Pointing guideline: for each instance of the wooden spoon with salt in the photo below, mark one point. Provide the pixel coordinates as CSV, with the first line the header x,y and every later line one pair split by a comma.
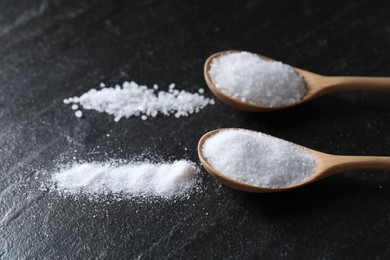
x,y
316,85
326,166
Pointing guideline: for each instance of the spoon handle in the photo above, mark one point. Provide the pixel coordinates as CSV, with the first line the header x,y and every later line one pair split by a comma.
x,y
336,84
340,163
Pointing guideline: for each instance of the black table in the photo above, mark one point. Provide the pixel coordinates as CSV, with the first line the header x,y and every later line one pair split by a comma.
x,y
54,49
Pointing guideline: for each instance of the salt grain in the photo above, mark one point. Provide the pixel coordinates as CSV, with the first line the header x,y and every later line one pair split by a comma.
x,y
135,179
258,159
248,78
78,114
75,107
132,99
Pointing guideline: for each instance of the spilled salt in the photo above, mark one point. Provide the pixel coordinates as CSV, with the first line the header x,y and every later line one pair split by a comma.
x,y
135,179
78,113
258,159
248,78
132,99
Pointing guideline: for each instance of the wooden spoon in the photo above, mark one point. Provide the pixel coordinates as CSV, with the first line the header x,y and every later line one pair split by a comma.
x,y
316,85
327,165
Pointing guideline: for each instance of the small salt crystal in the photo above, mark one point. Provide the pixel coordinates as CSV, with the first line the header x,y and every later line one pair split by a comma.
x,y
75,107
201,91
172,86
143,117
258,159
78,113
102,85
247,77
155,86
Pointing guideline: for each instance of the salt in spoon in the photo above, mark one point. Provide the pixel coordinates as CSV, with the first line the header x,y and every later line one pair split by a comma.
x,y
316,86
326,166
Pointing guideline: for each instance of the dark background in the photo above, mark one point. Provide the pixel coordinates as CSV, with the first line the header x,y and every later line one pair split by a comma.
x,y
54,49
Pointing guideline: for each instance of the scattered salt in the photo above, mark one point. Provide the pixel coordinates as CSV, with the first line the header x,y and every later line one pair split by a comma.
x,y
132,99
75,107
201,90
102,85
248,78
78,114
258,159
134,179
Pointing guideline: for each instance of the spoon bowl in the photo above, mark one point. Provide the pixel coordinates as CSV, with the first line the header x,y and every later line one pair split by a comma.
x,y
326,166
316,86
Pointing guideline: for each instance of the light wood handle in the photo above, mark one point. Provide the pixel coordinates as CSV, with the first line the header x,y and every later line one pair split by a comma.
x,y
337,84
338,163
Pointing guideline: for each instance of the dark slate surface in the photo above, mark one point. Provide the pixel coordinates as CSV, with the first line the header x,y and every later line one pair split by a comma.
x,y
54,49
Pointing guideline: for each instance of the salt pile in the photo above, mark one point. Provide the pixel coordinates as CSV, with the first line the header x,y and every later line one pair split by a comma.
x,y
135,179
132,99
258,159
248,78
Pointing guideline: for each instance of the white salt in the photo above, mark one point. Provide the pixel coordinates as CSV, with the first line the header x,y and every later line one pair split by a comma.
x,y
75,107
132,99
78,114
258,159
248,78
135,179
